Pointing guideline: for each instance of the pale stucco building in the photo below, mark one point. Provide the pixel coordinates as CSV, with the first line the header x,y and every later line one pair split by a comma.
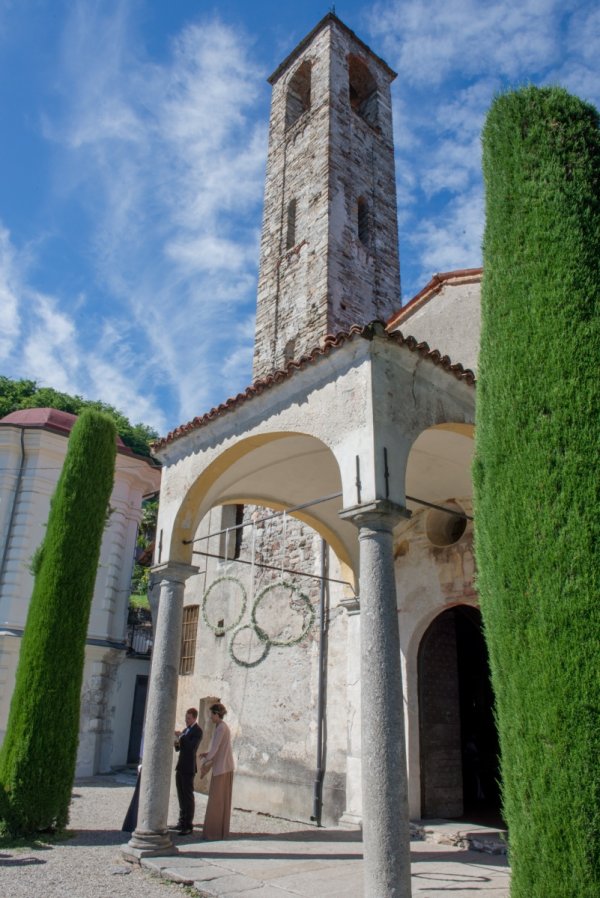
x,y
33,445
348,647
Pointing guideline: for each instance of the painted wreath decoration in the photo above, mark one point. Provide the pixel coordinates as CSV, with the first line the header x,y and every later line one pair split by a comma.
x,y
240,661
220,631
300,598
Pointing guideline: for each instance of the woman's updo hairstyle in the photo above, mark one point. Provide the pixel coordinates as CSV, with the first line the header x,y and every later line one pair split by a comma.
x,y
219,709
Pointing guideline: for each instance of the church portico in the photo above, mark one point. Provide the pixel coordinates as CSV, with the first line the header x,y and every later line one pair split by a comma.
x,y
351,459
364,400
324,513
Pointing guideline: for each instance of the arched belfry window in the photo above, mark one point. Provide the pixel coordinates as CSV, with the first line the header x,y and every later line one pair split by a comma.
x,y
298,94
363,90
290,236
363,221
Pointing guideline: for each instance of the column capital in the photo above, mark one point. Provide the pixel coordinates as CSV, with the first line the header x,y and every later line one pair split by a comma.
x,y
351,604
175,571
380,514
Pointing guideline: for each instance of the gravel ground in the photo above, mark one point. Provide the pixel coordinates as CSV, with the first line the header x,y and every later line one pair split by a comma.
x,y
90,865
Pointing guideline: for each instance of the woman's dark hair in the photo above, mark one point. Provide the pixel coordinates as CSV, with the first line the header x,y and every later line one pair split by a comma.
x,y
219,709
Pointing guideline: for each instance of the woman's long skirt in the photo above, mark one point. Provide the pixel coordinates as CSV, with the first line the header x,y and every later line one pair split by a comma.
x,y
218,809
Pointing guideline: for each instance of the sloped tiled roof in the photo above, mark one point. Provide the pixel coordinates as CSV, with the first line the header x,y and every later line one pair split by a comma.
x,y
330,343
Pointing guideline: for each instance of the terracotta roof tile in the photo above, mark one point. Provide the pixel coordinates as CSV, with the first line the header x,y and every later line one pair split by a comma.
x,y
330,343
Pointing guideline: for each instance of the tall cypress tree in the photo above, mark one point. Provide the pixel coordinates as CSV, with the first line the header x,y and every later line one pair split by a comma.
x,y
37,759
537,483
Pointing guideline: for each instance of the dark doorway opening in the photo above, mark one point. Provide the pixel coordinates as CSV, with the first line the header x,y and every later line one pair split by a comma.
x,y
458,736
137,719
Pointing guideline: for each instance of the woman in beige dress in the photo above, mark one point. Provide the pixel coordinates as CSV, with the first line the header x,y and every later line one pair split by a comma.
x,y
219,758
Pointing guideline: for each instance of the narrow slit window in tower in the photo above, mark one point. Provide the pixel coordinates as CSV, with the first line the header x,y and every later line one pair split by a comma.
x,y
290,237
363,90
364,231
298,95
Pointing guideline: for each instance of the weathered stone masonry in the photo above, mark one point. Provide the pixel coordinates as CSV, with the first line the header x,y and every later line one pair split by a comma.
x,y
329,248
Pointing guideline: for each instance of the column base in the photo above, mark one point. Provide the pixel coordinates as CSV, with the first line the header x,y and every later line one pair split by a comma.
x,y
148,844
350,821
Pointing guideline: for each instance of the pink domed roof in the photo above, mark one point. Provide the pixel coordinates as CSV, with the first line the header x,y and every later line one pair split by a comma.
x,y
50,419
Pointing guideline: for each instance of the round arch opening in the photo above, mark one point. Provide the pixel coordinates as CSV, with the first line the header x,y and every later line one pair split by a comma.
x,y
458,736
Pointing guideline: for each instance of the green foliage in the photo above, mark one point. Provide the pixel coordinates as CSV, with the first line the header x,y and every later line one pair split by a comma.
x,y
140,580
147,528
537,488
37,759
139,601
21,394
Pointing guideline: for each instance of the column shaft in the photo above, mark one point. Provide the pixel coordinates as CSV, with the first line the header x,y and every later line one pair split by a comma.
x,y
386,826
151,833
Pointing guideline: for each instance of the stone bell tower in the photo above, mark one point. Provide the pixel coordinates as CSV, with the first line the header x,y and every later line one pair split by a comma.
x,y
329,246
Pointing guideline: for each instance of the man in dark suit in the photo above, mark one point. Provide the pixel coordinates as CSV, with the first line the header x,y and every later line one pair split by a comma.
x,y
186,743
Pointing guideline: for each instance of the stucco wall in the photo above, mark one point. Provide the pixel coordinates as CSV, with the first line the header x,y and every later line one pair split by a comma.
x,y
450,321
273,706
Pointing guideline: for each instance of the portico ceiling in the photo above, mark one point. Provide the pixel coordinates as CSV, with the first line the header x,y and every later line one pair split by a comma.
x,y
295,469
439,465
291,470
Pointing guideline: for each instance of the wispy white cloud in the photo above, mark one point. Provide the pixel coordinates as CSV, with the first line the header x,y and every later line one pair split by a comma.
x,y
430,42
9,302
452,57
167,160
158,169
452,239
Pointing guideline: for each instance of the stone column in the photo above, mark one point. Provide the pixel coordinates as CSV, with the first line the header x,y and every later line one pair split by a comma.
x,y
151,835
386,825
352,816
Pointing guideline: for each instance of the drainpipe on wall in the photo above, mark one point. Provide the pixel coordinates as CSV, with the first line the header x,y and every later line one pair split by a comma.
x,y
13,509
322,695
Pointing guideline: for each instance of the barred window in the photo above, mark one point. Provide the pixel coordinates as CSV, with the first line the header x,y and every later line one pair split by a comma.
x,y
188,639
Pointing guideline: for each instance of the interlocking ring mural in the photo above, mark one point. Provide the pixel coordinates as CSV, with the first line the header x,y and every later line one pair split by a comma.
x,y
281,615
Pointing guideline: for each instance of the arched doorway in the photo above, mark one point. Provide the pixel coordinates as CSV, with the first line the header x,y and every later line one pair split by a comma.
x,y
458,737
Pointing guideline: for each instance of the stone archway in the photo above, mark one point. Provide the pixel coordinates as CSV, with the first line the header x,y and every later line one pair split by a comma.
x,y
458,738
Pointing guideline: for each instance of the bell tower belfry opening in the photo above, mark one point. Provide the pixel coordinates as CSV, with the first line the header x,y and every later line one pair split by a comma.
x,y
329,248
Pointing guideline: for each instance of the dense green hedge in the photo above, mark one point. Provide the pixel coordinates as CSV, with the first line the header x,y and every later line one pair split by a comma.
x,y
537,481
37,759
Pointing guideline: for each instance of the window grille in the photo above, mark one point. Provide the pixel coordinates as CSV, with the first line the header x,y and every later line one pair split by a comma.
x,y
188,639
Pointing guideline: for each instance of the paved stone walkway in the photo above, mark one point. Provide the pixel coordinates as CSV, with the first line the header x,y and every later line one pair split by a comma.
x,y
266,858
327,863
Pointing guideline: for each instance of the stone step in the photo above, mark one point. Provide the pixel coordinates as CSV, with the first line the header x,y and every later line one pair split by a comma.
x,y
462,835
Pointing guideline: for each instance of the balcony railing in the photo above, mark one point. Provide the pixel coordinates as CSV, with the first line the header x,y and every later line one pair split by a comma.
x,y
140,640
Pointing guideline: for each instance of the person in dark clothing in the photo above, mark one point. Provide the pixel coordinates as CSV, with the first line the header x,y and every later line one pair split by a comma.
x,y
130,821
186,743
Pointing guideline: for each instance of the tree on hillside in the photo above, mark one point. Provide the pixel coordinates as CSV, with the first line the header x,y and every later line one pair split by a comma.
x,y
537,486
21,394
37,758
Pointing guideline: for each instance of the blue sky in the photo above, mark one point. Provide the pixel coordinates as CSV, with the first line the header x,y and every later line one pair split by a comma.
x,y
133,150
